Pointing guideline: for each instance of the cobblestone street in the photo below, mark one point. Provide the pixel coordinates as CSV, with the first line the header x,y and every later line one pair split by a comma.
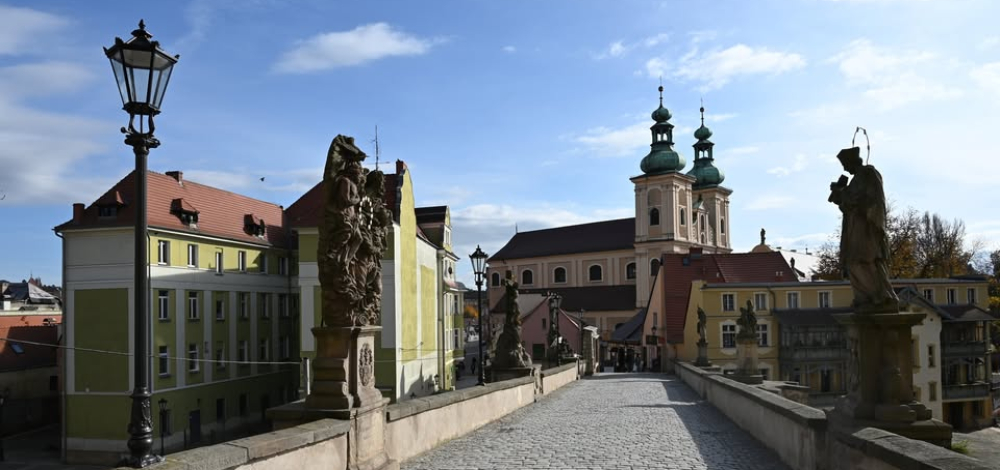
x,y
610,421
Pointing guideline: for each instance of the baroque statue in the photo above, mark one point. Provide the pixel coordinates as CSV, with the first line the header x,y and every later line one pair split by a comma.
x,y
747,321
702,324
864,244
352,237
510,352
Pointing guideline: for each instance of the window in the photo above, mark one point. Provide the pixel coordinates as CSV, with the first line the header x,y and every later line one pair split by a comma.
x,y
241,261
265,349
220,354
495,279
760,301
447,236
596,273
264,305
244,305
825,380
283,266
163,304
762,339
824,300
527,277
107,211
263,263
722,225
192,306
729,335
559,275
244,351
654,217
683,217
193,358
929,295
765,372
728,302
220,310
543,324
163,252
218,262
930,355
163,357
951,296
630,271
283,306
192,255
793,300
971,295
932,391
285,343
654,265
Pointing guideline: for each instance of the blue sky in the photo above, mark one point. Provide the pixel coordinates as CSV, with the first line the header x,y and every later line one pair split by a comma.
x,y
526,113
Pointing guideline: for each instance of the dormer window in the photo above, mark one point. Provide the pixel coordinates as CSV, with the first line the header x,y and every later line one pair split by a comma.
x,y
107,211
184,211
107,205
254,225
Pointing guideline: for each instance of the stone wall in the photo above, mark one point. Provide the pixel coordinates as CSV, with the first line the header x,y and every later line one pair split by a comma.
x,y
800,436
556,377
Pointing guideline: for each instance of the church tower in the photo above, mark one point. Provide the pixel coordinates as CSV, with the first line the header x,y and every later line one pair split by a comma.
x,y
710,212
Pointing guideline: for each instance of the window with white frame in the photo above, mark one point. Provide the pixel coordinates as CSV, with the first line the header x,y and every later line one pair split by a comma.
x,y
264,305
192,255
218,263
793,300
263,263
728,335
241,261
265,350
220,354
163,357
760,301
630,271
929,295
244,305
595,273
220,309
283,266
163,252
824,299
762,336
728,302
447,236
193,305
193,362
283,306
951,297
971,295
243,351
163,304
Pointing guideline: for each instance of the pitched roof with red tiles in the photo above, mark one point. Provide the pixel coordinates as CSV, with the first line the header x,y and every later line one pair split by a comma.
x,y
220,213
305,212
680,270
16,355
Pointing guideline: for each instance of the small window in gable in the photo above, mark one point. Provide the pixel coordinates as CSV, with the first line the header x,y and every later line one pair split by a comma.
x,y
184,211
108,205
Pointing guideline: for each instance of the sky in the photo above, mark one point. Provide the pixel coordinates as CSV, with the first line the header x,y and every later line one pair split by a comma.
x,y
518,115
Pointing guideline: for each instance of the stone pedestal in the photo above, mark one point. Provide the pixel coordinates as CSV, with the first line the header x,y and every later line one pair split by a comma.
x,y
880,378
702,360
746,360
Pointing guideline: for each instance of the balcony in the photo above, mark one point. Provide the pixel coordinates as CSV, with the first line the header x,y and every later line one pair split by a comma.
x,y
964,349
813,353
966,391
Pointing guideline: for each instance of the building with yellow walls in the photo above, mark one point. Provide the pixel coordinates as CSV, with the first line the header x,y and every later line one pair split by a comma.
x,y
221,307
419,292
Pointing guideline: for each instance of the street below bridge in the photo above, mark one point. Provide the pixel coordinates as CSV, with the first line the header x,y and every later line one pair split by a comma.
x,y
608,421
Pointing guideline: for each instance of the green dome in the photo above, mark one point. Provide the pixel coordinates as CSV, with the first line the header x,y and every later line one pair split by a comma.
x,y
706,173
662,159
703,133
661,114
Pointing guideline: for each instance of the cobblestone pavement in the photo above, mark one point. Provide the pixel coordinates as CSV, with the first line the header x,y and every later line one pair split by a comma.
x,y
610,421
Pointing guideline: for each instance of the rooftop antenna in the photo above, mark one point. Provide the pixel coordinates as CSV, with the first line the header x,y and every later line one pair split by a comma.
x,y
868,143
376,147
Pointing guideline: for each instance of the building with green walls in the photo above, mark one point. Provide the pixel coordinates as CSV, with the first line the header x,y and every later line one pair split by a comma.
x,y
416,354
223,308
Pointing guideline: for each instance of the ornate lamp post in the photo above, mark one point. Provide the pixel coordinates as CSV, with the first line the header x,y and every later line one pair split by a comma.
x,y
164,411
555,300
142,71
479,268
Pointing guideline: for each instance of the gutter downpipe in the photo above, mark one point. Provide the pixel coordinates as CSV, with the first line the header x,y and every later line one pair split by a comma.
x,y
62,354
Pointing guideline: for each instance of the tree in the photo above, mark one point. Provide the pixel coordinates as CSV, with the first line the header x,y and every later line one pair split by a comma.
x,y
470,312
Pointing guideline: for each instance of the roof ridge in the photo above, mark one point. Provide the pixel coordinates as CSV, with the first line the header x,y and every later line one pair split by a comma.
x,y
187,181
576,225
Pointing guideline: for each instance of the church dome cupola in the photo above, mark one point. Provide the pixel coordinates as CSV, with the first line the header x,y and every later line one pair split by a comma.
x,y
704,170
662,157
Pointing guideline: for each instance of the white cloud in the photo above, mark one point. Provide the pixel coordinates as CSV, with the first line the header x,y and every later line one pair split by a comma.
x,y
620,47
656,67
22,28
348,48
717,67
619,142
799,163
720,117
987,76
42,78
989,43
509,49
766,202
744,150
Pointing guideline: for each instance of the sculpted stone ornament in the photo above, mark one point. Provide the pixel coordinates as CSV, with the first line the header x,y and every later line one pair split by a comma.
x,y
747,322
747,370
366,365
864,244
702,323
702,359
510,352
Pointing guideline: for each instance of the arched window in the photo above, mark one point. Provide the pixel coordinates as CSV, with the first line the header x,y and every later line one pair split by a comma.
x,y
654,265
495,279
722,225
596,273
683,217
527,277
654,216
630,271
559,275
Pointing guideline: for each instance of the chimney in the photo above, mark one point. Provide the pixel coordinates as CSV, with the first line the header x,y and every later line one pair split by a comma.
x,y
177,175
77,212
793,263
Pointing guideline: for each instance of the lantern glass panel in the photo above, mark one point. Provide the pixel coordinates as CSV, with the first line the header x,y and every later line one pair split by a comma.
x,y
160,85
116,67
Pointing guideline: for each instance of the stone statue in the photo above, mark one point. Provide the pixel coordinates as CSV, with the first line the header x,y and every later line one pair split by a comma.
x,y
747,321
352,237
702,324
510,352
762,233
864,244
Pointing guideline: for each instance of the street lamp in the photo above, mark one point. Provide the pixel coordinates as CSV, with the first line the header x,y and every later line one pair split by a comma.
x,y
3,399
142,71
164,412
555,300
479,268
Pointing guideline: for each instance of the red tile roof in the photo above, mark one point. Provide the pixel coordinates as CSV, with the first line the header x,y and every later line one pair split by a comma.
x,y
220,213
27,328
680,270
305,212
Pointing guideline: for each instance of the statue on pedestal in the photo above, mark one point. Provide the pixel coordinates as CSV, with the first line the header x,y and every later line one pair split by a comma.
x,y
510,352
747,322
702,360
746,347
